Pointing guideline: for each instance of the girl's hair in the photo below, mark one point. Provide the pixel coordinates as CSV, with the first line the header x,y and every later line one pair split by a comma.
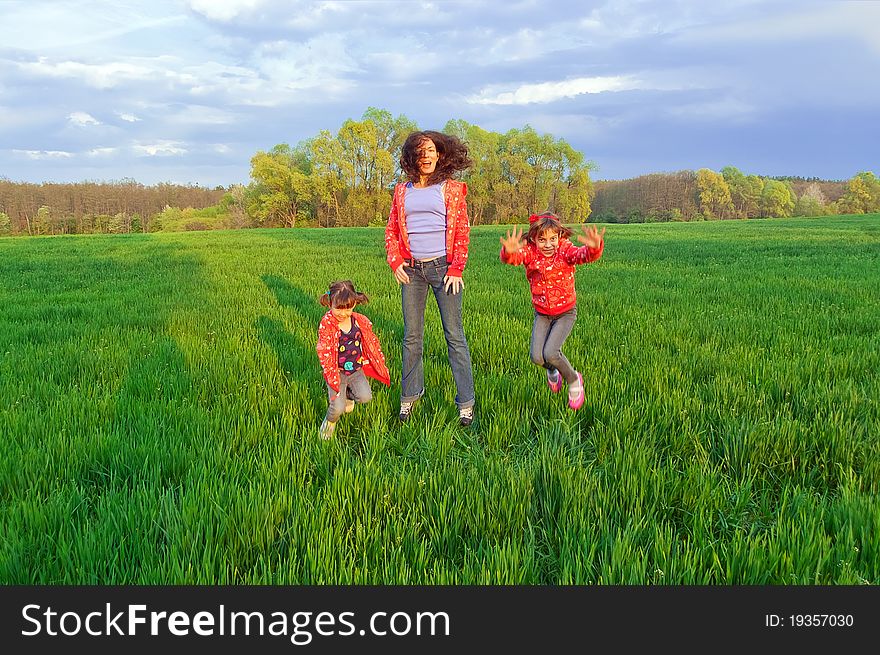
x,y
343,295
453,156
545,222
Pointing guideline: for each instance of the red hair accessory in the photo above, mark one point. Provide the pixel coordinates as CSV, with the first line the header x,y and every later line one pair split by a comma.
x,y
534,218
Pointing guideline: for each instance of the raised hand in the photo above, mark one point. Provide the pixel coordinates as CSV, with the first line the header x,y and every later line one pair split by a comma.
x,y
591,237
513,242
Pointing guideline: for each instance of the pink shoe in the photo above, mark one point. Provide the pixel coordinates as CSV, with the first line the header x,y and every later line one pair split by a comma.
x,y
555,386
576,402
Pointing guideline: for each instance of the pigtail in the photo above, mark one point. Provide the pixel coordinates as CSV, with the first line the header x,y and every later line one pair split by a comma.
x,y
343,295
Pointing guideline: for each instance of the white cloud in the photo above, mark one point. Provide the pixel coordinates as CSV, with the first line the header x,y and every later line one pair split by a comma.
x,y
100,76
162,148
82,119
222,148
44,154
551,91
128,118
101,152
222,10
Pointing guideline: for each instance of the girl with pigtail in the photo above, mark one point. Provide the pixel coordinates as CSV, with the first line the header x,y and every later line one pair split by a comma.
x,y
348,351
549,258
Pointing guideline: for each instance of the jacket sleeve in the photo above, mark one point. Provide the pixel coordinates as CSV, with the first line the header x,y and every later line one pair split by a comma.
x,y
392,236
517,258
326,349
583,255
462,236
374,346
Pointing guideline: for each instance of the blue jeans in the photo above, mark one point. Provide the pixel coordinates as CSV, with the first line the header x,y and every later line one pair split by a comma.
x,y
424,276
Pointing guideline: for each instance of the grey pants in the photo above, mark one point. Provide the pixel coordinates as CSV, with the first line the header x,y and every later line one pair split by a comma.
x,y
548,335
354,387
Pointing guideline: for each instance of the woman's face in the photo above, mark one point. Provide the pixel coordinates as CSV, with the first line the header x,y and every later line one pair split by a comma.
x,y
427,157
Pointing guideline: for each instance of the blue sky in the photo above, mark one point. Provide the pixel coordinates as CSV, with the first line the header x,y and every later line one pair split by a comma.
x,y
187,91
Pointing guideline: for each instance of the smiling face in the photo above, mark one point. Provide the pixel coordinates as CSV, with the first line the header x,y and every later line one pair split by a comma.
x,y
427,157
547,242
341,314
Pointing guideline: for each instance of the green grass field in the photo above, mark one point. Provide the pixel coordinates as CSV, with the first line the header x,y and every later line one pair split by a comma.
x,y
160,398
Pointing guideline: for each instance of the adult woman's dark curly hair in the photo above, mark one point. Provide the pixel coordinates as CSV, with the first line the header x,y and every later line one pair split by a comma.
x,y
453,156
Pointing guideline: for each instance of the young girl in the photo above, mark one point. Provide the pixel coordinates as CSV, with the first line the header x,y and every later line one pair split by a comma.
x,y
549,259
348,351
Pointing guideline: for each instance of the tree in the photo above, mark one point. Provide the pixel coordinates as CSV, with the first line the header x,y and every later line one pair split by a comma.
x,y
281,185
745,192
862,194
777,199
5,224
811,203
714,194
42,223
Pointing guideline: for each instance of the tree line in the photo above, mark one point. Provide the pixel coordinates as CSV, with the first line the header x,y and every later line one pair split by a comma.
x,y
345,179
93,207
730,193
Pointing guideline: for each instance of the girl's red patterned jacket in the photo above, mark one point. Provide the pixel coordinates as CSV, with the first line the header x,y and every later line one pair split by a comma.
x,y
457,228
328,343
552,278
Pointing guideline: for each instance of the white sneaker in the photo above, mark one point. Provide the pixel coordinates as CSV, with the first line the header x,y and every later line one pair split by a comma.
x,y
406,408
326,430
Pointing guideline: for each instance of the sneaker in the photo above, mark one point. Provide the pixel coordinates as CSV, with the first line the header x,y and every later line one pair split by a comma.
x,y
576,399
554,384
466,415
406,409
326,430
349,405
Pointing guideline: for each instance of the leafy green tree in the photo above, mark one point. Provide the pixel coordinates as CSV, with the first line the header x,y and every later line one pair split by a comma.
x,y
281,184
811,203
862,194
714,194
745,191
5,224
42,223
777,199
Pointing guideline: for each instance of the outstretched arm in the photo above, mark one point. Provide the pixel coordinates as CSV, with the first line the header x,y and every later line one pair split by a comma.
x,y
512,247
594,244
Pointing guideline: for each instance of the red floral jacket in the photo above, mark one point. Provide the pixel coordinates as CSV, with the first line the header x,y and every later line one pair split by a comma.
x,y
457,228
552,278
328,344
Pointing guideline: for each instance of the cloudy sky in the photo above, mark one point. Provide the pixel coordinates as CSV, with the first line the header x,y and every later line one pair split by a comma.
x,y
187,91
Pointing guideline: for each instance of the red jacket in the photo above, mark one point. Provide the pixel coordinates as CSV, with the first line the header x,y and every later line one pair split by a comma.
x,y
457,228
552,278
328,343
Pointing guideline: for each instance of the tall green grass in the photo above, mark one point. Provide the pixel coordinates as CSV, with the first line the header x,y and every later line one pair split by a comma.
x,y
160,398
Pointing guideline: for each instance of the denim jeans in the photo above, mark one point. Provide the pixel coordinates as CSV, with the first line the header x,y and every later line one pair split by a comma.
x,y
548,335
422,277
354,387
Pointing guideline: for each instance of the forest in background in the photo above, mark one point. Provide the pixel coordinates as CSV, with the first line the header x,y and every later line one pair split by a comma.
x,y
346,178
